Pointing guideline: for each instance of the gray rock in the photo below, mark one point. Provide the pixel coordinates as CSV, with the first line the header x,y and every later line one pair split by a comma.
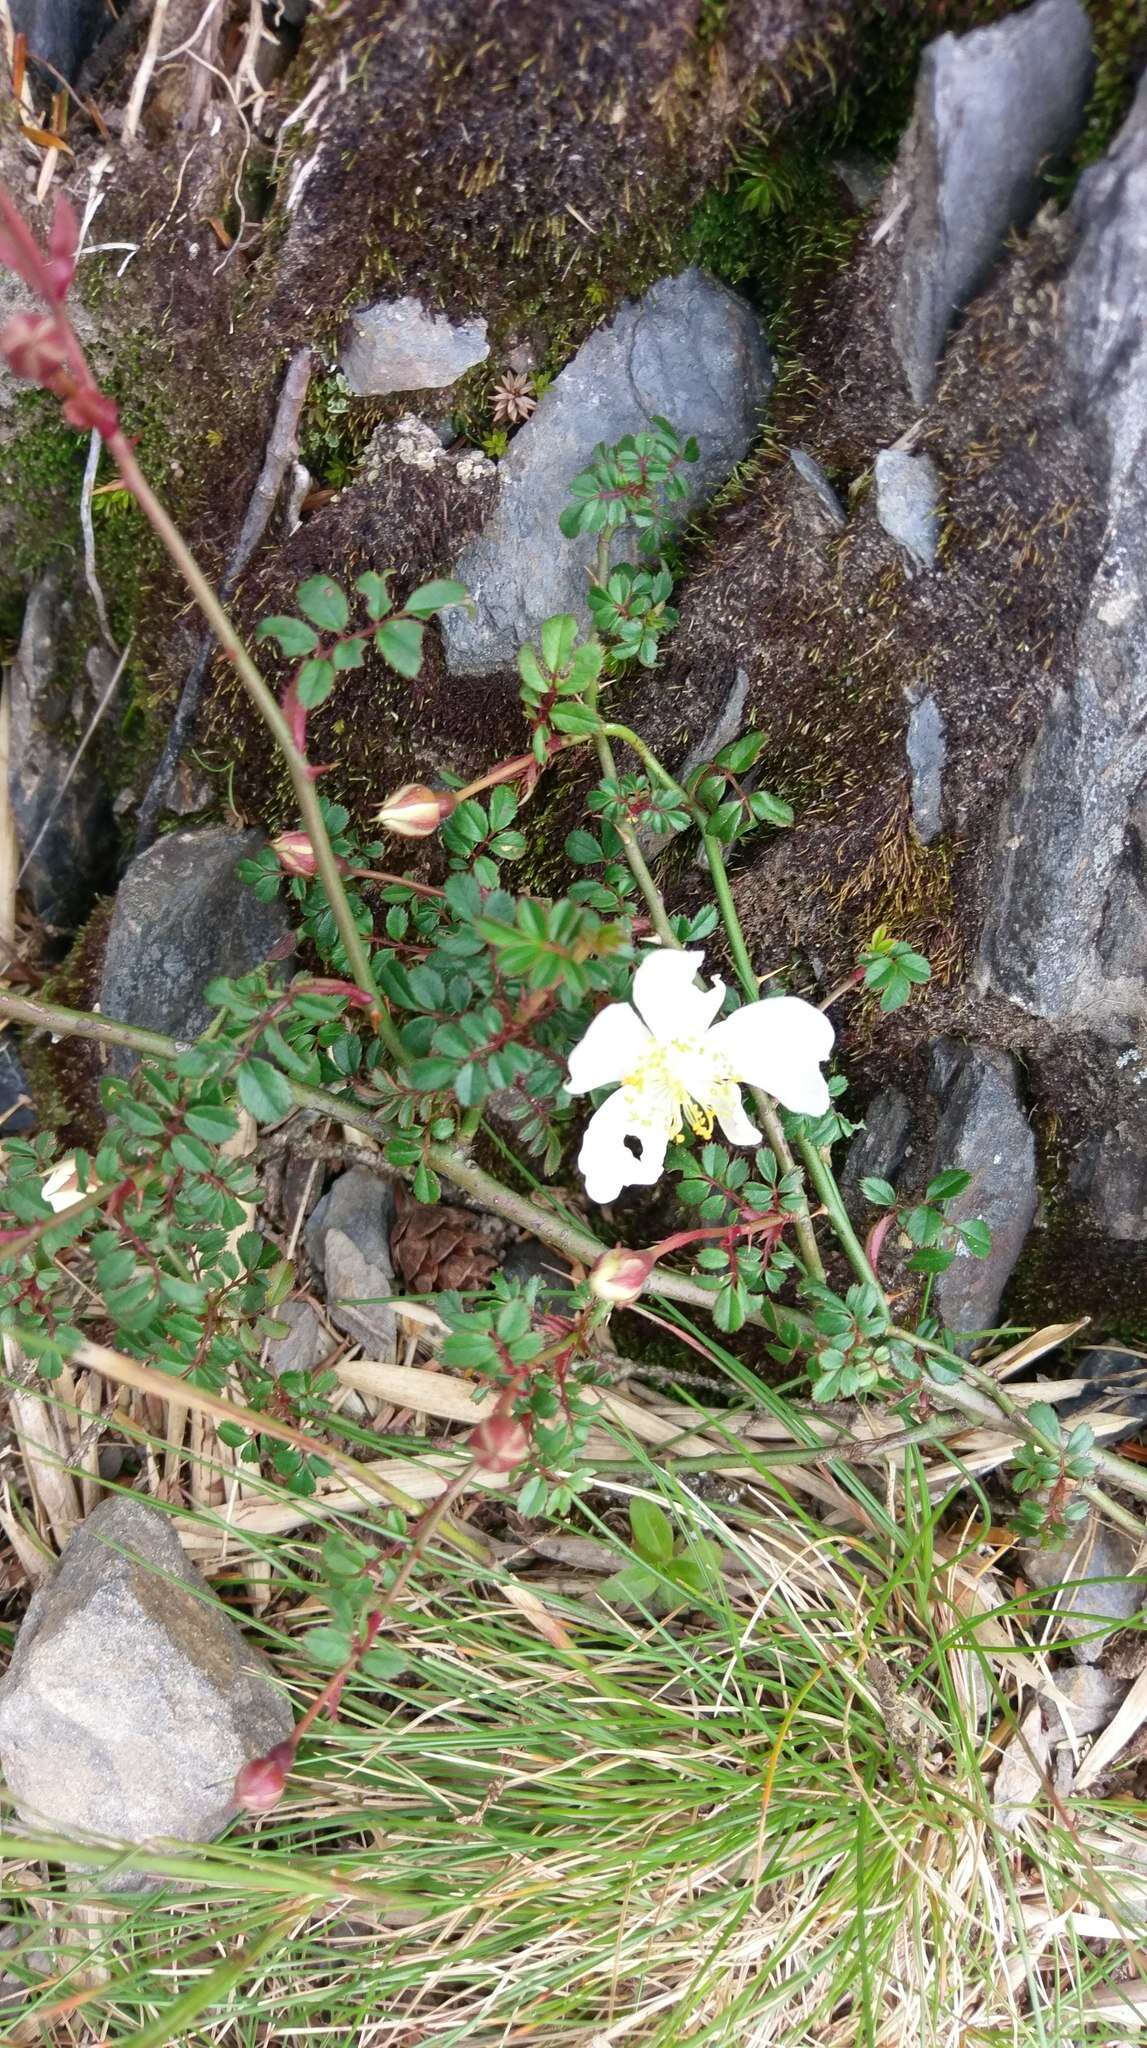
x,y
690,351
306,1343
397,345
880,1148
983,1130
907,503
17,1110
1118,1387
181,917
862,176
60,805
991,108
926,752
1091,1697
132,1699
348,1237
1065,934
1102,1560
1112,1180
832,515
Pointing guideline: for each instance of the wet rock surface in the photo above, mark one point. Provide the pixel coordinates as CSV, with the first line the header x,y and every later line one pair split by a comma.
x,y
991,108
132,1699
689,351
181,917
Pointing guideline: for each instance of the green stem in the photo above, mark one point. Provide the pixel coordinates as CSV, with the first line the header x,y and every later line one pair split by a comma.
x,y
264,701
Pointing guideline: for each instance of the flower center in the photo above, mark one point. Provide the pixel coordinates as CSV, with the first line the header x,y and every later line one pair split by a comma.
x,y
679,1081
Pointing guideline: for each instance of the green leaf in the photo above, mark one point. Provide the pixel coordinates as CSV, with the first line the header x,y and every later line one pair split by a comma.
x,y
382,1663
582,848
191,1153
558,637
372,587
350,653
880,1193
947,1184
329,1647
1043,1417
211,1121
652,1531
293,635
932,1259
434,597
976,1236
264,1091
399,642
323,601
314,683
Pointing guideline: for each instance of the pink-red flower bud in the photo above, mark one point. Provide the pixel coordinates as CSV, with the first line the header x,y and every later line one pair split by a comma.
x,y
87,406
621,1276
500,1443
294,853
259,1785
415,812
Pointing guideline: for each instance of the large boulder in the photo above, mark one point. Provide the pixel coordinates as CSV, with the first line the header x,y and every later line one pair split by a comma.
x,y
991,108
132,1699
183,916
689,351
1066,928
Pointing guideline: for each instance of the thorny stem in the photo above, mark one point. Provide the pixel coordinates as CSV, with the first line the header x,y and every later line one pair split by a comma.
x,y
574,1243
263,699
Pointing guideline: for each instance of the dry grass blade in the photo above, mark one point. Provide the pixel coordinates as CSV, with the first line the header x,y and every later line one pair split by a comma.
x,y
44,1453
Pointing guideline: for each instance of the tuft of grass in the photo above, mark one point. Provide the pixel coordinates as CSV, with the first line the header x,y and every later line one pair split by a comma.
x,y
764,1817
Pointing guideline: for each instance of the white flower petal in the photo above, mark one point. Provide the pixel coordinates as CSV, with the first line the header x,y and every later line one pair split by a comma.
x,y
607,1163
663,991
609,1050
730,1113
778,1045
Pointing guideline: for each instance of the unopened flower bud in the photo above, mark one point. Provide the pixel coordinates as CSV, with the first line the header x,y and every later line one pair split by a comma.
x,y
500,1443
294,853
621,1276
415,812
259,1785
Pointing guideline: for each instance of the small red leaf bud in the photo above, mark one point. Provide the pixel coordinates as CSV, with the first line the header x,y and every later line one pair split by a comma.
x,y
415,812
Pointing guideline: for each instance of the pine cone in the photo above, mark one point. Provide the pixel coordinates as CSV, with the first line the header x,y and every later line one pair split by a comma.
x,y
435,1246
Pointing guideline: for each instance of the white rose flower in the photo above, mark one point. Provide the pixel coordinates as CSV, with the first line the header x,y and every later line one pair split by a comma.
x,y
674,1066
